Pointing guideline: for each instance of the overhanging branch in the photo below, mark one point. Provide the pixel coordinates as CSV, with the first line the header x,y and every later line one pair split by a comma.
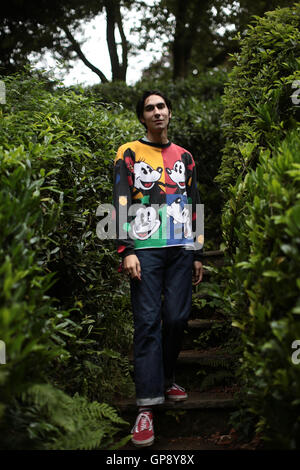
x,y
81,55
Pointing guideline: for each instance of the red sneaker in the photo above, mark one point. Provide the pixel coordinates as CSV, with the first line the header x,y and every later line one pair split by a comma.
x,y
143,433
176,393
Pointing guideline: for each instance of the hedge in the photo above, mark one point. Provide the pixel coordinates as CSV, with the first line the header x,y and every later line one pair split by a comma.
x,y
259,177
64,314
258,110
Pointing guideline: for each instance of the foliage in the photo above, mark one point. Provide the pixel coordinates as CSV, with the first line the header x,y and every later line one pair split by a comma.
x,y
266,270
29,28
184,27
260,176
33,27
67,423
257,100
63,305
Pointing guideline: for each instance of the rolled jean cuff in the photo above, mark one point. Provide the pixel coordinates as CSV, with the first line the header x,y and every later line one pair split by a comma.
x,y
150,401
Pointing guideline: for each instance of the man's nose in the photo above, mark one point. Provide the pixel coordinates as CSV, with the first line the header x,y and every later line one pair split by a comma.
x,y
156,111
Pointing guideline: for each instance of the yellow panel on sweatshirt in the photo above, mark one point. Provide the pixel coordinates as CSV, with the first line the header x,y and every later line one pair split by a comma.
x,y
151,156
123,148
145,156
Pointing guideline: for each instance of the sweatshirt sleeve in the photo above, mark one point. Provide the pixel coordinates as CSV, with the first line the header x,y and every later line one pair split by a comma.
x,y
122,199
194,199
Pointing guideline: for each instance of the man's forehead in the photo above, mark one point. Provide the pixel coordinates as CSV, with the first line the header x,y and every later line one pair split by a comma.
x,y
153,100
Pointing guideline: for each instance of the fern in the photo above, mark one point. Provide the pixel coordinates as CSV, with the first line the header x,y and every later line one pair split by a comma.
x,y
70,423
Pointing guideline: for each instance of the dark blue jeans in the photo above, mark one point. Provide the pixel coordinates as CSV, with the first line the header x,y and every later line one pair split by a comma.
x,y
159,325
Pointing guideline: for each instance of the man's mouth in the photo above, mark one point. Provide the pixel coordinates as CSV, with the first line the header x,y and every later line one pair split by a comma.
x,y
182,185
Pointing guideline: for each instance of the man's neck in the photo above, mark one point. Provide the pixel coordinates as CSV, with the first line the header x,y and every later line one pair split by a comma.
x,y
159,138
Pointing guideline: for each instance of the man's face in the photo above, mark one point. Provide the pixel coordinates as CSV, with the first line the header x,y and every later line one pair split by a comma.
x,y
156,114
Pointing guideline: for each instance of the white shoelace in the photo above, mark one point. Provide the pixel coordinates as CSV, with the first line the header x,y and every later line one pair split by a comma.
x,y
145,420
177,387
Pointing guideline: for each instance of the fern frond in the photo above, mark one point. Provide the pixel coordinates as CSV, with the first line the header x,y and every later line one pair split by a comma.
x,y
73,422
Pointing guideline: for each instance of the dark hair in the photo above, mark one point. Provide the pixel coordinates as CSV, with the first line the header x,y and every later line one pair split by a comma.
x,y
141,102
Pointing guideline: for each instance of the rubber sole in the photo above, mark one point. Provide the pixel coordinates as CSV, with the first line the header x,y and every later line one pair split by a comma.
x,y
176,398
147,443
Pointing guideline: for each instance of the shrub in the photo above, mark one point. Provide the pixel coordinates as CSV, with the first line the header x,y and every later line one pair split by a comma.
x,y
63,305
259,177
258,110
266,272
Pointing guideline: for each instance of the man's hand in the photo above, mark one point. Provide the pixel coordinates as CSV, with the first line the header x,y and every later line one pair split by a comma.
x,y
132,267
197,272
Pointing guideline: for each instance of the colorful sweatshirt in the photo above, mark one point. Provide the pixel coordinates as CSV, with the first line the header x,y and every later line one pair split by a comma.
x,y
153,183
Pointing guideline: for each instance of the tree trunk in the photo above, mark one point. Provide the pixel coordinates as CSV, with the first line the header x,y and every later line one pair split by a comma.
x,y
113,18
182,47
124,45
188,14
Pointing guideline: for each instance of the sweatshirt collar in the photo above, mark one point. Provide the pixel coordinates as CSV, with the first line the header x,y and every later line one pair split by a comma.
x,y
146,141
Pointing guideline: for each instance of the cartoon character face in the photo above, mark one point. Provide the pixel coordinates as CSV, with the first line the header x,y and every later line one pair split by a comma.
x,y
177,174
180,215
145,175
145,223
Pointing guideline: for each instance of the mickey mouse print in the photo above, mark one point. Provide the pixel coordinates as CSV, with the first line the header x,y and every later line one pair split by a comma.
x,y
158,183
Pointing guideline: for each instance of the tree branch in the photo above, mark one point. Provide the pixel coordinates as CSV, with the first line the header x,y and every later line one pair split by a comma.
x,y
80,54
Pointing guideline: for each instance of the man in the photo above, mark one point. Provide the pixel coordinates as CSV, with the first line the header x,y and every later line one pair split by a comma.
x,y
156,244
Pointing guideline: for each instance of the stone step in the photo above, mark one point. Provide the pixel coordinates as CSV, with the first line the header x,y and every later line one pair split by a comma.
x,y
205,305
195,356
203,413
195,400
213,258
202,369
187,443
203,357
206,326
